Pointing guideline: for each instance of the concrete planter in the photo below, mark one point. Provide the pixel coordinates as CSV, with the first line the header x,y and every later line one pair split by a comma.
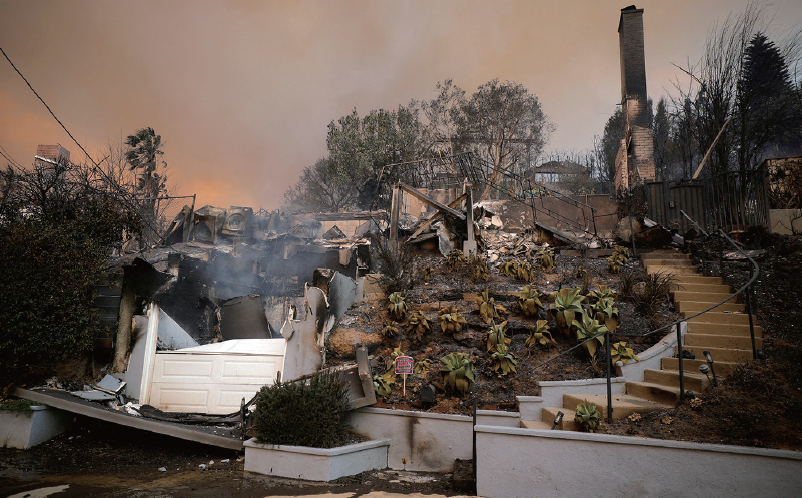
x,y
315,464
18,430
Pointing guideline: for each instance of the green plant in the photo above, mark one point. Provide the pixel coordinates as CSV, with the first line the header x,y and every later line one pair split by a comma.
x,y
496,335
457,371
450,320
565,304
620,351
502,359
397,306
487,307
653,292
539,334
390,330
456,260
418,325
382,384
589,328
602,293
607,313
529,300
477,266
587,416
23,406
322,421
422,366
545,258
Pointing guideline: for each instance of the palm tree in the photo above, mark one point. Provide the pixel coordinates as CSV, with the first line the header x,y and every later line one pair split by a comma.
x,y
145,149
143,155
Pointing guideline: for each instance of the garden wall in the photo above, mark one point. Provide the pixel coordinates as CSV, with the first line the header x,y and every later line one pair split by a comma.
x,y
559,463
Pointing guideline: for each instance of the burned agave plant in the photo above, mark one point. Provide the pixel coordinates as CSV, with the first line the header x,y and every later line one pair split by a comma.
x,y
545,258
451,321
529,301
478,269
487,307
539,334
497,335
418,325
525,272
397,306
390,330
503,361
456,260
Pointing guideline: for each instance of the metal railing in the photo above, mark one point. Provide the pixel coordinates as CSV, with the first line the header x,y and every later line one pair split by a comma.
x,y
746,290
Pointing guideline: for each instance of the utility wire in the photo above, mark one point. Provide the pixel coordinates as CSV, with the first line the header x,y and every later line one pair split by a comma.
x,y
48,107
97,166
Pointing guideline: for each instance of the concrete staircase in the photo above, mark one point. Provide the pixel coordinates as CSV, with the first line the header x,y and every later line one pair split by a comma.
x,y
723,331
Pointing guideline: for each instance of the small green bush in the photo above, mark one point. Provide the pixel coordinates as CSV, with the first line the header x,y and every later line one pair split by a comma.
x,y
19,406
311,413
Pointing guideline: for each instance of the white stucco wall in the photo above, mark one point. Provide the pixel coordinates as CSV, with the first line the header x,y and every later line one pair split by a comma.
x,y
559,463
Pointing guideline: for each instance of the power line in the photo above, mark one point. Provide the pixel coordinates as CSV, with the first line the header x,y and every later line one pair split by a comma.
x,y
4,153
48,108
97,166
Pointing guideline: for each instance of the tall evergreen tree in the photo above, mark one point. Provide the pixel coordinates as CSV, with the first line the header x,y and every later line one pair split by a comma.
x,y
768,115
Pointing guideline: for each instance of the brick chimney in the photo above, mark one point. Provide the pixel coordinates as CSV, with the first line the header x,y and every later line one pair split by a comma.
x,y
636,159
55,153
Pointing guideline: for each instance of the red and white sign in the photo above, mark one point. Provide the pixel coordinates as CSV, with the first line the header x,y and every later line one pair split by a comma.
x,y
404,365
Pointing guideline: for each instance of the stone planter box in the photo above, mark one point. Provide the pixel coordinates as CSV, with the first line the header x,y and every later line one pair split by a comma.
x,y
18,430
315,464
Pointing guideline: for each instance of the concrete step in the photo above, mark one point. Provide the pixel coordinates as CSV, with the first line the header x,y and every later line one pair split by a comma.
x,y
664,254
695,307
674,270
567,424
721,341
730,355
722,318
700,287
534,424
694,381
697,279
624,405
659,393
723,368
734,329
702,297
668,262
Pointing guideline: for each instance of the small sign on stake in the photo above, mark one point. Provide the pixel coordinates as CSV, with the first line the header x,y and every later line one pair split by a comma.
x,y
404,366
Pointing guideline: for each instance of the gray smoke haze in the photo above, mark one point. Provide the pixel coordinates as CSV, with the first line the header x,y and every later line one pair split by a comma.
x,y
241,92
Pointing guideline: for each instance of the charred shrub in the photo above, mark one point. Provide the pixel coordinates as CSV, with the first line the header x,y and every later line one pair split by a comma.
x,y
397,271
309,413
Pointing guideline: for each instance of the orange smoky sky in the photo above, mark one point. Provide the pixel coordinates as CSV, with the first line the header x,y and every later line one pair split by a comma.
x,y
241,91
